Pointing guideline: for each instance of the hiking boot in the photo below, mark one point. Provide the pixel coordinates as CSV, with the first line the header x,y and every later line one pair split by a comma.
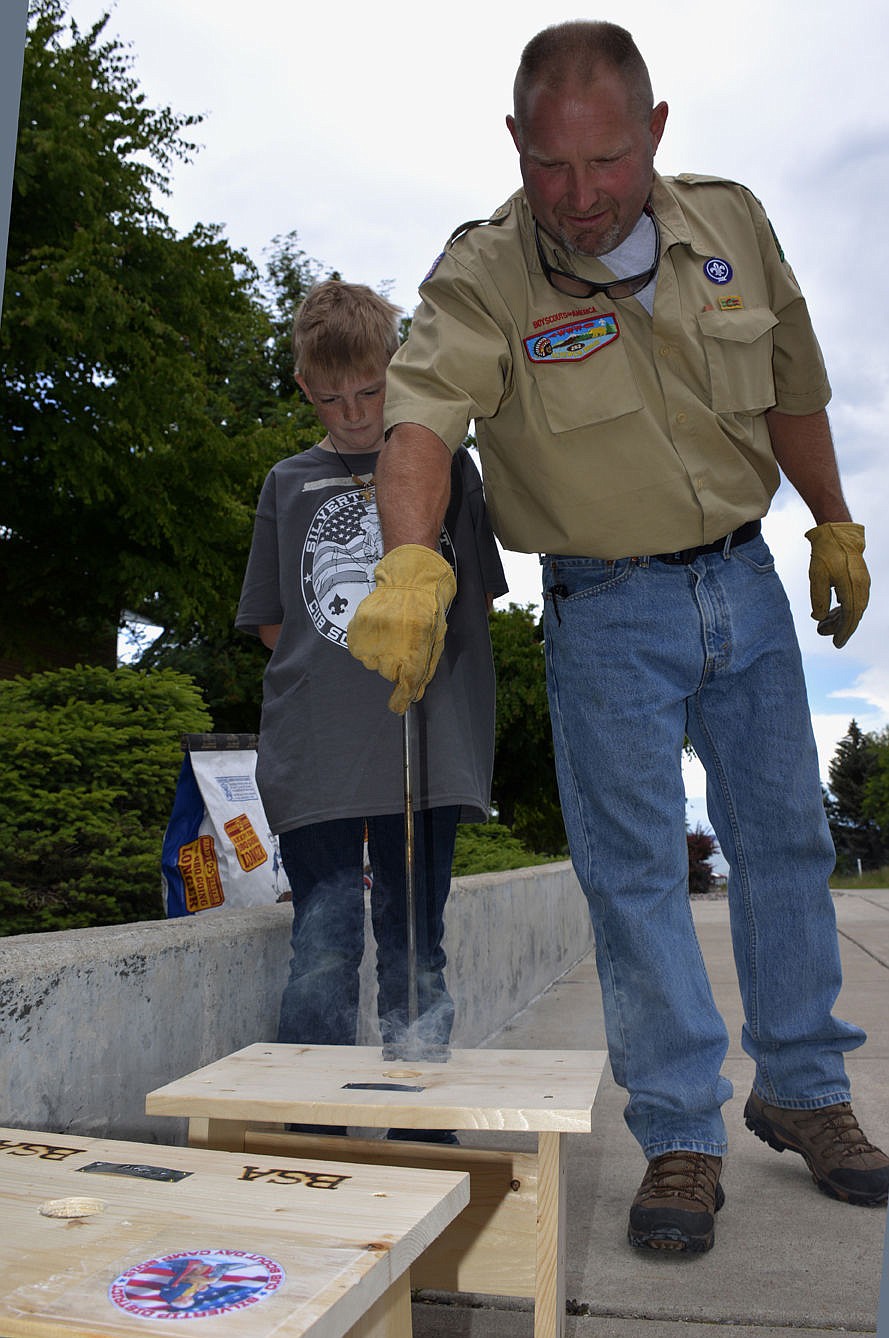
x,y
444,1137
843,1163
327,1130
676,1202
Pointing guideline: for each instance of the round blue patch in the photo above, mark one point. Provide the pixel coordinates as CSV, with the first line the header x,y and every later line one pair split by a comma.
x,y
718,270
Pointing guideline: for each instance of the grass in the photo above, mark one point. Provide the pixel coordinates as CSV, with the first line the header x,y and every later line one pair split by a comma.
x,y
870,878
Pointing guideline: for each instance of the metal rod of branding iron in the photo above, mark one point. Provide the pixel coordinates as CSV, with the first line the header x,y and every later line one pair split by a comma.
x,y
411,1046
409,864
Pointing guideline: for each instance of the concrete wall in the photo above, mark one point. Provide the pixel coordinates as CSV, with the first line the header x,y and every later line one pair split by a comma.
x,y
92,1019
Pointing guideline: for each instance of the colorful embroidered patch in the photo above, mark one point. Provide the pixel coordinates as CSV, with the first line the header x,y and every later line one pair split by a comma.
x,y
195,1284
718,270
434,266
731,303
574,342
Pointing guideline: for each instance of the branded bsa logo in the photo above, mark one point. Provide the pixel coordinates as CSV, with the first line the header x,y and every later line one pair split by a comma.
x,y
342,548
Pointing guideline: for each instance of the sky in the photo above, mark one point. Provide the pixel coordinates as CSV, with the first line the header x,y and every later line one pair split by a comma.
x,y
374,130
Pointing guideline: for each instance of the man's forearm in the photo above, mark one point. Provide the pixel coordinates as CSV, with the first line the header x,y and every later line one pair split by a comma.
x,y
413,479
803,447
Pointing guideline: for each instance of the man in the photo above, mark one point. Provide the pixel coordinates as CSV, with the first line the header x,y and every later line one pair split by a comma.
x,y
639,362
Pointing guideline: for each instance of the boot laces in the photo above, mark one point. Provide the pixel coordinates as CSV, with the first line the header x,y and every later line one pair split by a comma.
x,y
838,1130
682,1175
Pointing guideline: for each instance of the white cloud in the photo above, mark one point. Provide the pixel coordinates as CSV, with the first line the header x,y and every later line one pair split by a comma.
x,y
871,687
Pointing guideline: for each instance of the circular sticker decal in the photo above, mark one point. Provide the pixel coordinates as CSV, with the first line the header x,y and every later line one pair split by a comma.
x,y
343,545
718,270
195,1284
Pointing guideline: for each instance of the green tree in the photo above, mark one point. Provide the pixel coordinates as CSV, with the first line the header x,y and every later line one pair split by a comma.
x,y
136,369
853,804
226,664
289,274
90,767
875,802
525,791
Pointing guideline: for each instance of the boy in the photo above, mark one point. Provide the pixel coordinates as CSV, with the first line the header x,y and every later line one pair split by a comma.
x,y
330,752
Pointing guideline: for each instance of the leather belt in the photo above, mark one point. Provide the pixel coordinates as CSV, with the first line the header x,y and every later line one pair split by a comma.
x,y
742,535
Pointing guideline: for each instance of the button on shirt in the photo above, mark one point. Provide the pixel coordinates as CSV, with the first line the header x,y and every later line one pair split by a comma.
x,y
605,431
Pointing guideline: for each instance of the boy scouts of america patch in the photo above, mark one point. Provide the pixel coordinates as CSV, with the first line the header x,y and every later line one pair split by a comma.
x,y
574,342
432,268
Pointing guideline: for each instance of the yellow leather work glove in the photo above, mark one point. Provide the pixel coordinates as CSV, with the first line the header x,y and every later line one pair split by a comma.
x,y
837,563
399,628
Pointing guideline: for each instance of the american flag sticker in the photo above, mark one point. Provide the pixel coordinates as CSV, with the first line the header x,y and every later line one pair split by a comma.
x,y
195,1284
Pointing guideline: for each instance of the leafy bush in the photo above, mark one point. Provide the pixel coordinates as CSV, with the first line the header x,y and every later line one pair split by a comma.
x,y
701,849
490,847
524,790
91,759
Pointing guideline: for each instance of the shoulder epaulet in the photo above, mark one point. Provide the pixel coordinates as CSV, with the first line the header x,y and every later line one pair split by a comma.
x,y
498,216
703,179
692,179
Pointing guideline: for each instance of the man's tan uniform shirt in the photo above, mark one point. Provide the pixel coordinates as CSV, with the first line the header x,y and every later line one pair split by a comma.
x,y
604,431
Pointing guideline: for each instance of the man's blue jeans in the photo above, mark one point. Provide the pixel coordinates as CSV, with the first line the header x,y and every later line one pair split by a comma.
x,y
324,865
641,652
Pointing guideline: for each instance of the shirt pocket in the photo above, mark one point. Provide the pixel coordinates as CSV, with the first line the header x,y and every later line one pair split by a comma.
x,y
738,346
597,389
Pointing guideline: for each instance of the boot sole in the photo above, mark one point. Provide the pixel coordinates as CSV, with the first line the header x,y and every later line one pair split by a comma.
x,y
769,1135
672,1239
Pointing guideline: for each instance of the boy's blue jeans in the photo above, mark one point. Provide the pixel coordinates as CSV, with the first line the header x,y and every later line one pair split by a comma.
x,y
641,652
324,865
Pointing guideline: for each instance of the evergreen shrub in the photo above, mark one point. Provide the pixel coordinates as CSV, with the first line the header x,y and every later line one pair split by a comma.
x,y
90,762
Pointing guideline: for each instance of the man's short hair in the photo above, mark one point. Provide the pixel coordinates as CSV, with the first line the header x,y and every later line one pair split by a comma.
x,y
343,327
574,52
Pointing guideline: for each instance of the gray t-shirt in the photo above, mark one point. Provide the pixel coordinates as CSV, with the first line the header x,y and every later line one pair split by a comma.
x,y
329,747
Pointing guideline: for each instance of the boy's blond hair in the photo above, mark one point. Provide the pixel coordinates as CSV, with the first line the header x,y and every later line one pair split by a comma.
x,y
343,327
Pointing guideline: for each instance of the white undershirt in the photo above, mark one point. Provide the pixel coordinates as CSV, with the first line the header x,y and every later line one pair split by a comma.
x,y
633,256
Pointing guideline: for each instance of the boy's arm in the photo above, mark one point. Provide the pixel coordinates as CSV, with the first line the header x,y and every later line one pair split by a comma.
x,y
269,633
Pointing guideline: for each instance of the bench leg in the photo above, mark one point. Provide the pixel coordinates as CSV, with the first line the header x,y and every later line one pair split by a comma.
x,y
549,1301
390,1316
222,1135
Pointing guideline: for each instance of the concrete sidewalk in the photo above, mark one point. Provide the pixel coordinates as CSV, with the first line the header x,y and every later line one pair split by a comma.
x,y
788,1262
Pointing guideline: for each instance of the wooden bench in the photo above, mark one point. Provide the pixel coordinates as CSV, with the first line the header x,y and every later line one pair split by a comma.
x,y
101,1236
511,1239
